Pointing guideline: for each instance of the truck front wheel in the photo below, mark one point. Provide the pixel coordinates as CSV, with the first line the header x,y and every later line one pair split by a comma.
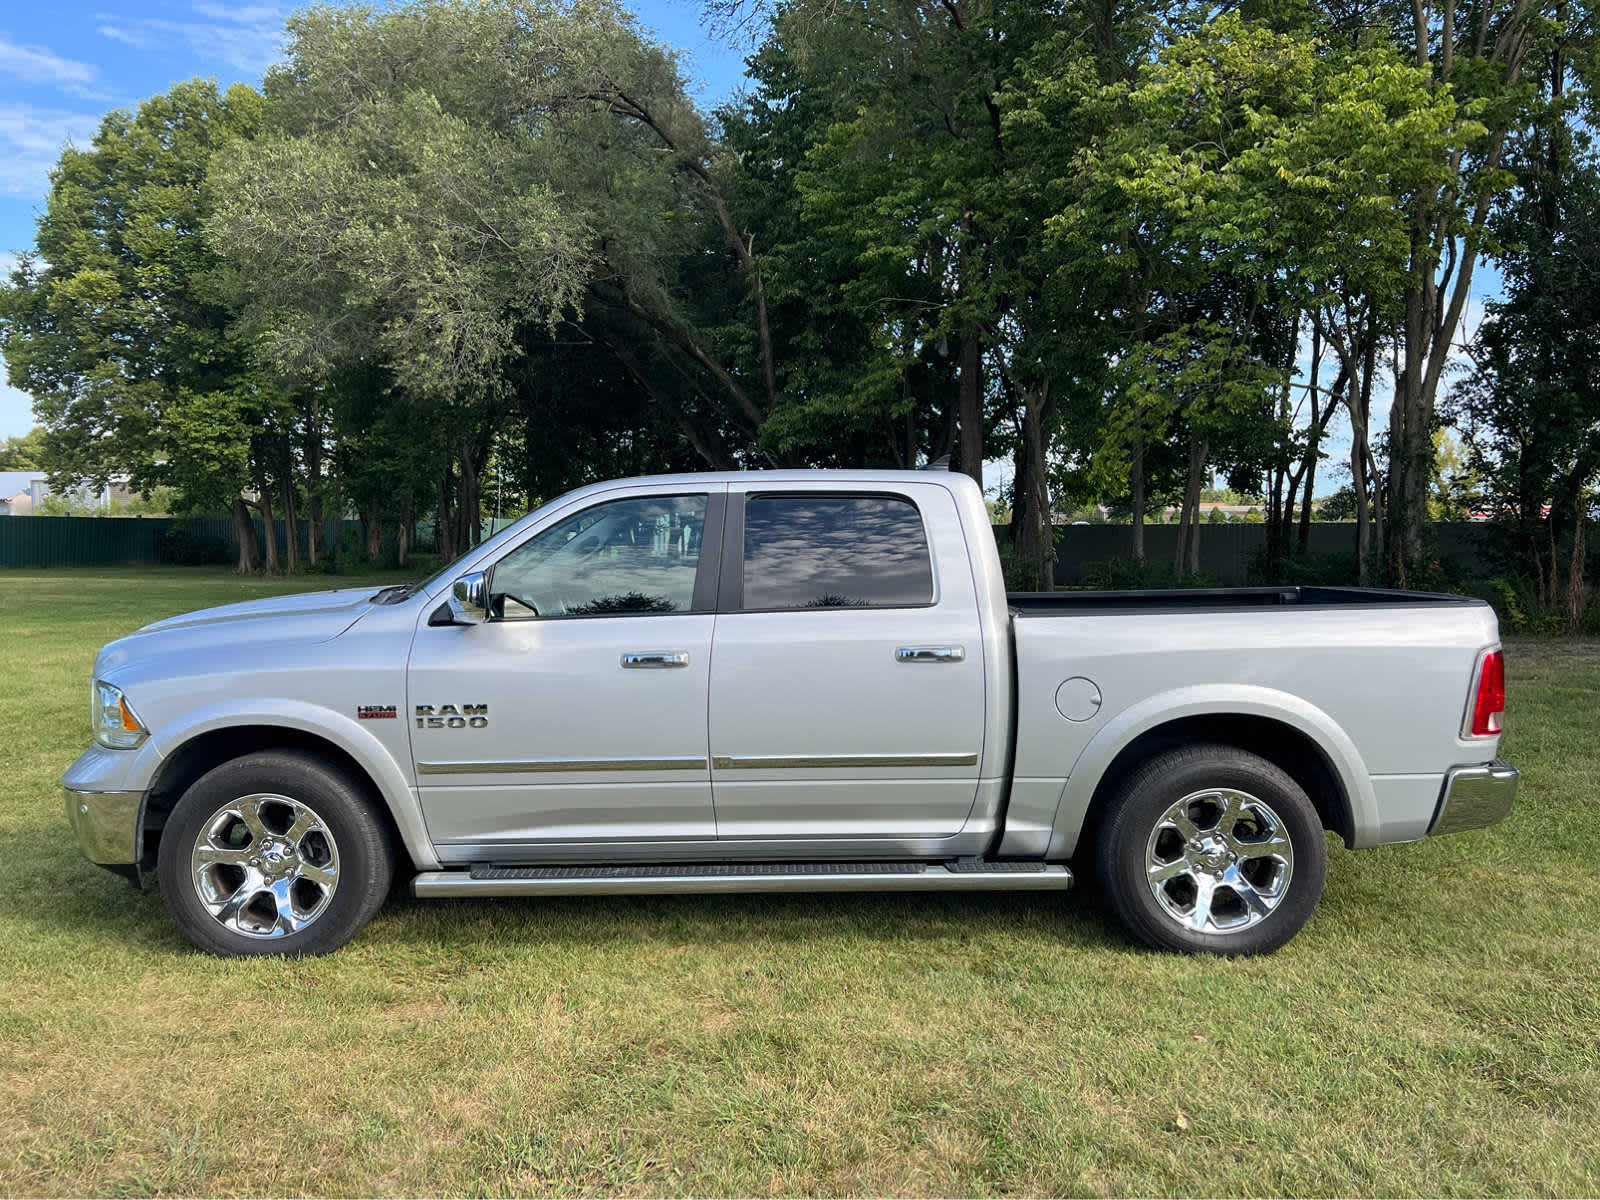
x,y
273,853
1210,849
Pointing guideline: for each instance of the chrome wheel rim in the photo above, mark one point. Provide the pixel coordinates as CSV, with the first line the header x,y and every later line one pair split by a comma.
x,y
265,866
1219,861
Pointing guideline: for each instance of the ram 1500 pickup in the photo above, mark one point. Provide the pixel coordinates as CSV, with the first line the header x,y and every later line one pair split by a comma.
x,y
780,682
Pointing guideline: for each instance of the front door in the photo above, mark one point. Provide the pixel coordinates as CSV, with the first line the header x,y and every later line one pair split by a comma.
x,y
577,712
847,681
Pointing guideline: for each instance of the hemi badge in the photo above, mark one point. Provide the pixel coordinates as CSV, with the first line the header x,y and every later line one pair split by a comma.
x,y
375,712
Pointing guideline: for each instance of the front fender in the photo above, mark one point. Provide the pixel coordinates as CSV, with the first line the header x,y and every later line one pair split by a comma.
x,y
1212,700
368,752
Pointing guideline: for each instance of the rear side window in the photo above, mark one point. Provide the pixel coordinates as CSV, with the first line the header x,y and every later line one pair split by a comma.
x,y
814,551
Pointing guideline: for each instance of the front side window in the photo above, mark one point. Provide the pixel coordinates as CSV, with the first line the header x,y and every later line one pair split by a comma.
x,y
621,558
814,551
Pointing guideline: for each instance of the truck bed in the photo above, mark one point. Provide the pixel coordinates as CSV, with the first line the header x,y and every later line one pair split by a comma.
x,y
1381,676
1198,600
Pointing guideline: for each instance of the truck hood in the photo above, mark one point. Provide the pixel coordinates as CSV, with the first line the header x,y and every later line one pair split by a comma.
x,y
305,618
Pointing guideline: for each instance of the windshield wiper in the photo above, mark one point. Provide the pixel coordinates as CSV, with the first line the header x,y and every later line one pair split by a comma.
x,y
394,593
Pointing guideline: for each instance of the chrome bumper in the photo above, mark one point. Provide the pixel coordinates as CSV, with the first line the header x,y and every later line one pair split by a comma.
x,y
106,825
1474,797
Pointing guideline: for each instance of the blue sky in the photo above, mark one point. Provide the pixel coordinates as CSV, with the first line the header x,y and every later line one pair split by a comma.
x,y
64,64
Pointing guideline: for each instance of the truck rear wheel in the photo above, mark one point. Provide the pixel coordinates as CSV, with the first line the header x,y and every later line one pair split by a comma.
x,y
1210,849
273,853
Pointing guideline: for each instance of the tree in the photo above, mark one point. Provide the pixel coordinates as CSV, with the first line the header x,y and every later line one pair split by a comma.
x,y
1530,407
444,216
1477,51
25,452
112,325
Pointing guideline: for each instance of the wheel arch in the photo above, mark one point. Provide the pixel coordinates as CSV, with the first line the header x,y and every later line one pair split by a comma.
x,y
1283,729
214,741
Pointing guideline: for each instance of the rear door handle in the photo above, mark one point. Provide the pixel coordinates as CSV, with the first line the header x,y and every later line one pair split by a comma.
x,y
930,654
651,660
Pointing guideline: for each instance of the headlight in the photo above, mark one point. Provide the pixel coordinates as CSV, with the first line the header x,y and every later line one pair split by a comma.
x,y
115,726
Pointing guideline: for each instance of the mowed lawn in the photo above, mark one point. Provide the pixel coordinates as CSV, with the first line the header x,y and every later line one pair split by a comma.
x,y
1436,1030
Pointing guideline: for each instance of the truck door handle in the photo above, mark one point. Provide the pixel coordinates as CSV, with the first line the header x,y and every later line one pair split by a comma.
x,y
648,660
930,654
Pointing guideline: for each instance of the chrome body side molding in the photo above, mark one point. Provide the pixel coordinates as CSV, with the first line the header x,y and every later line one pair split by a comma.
x,y
535,765
809,762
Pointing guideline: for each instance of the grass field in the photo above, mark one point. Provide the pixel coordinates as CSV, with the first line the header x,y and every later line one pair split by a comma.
x,y
1436,1030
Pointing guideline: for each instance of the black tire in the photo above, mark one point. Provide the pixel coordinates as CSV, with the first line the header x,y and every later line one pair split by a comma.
x,y
364,862
1123,852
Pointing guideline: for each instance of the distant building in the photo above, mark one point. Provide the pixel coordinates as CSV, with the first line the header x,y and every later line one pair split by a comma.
x,y
23,494
17,492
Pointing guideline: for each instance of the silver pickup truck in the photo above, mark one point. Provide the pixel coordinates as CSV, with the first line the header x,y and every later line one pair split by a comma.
x,y
780,682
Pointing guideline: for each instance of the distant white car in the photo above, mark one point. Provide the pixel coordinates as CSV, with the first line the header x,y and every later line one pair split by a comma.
x,y
786,681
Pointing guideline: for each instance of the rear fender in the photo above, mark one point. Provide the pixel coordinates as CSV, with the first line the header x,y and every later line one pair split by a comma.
x,y
1213,700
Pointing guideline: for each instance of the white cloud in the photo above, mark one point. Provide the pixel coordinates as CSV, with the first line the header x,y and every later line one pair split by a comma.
x,y
35,64
247,37
31,139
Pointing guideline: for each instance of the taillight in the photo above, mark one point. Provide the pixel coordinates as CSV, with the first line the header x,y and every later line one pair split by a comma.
x,y
1490,701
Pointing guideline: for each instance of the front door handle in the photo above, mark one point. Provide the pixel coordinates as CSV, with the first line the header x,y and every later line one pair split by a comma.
x,y
653,660
930,654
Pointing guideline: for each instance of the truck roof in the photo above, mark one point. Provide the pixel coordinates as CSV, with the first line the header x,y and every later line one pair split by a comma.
x,y
797,475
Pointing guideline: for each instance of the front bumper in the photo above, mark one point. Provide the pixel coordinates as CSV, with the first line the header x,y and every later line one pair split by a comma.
x,y
106,825
104,792
1474,797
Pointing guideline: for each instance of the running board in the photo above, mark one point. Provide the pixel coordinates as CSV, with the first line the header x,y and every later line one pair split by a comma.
x,y
485,879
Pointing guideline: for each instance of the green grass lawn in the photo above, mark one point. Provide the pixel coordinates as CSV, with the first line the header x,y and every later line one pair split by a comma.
x,y
1436,1029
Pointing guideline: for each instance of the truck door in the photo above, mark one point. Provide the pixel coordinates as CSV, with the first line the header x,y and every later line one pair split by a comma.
x,y
577,712
847,676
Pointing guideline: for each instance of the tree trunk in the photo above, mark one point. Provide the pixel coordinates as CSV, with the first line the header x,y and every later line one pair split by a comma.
x,y
1577,585
1303,540
1410,447
444,529
314,523
1136,486
314,483
1278,518
338,529
1031,530
402,537
1188,555
264,504
374,538
291,525
470,513
971,399
1359,436
244,532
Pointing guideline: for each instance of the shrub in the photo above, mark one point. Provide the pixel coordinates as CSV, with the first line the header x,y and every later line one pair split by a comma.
x,y
1131,574
1304,570
184,547
1515,599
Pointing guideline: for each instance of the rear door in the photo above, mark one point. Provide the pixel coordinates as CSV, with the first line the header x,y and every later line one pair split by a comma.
x,y
847,682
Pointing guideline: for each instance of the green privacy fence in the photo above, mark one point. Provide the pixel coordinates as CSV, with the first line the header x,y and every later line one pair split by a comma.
x,y
1226,551
98,541
152,541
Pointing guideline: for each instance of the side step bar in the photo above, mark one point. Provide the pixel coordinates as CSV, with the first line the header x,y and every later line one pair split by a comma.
x,y
632,880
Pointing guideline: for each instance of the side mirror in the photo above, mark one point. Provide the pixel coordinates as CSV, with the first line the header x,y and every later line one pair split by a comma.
x,y
469,599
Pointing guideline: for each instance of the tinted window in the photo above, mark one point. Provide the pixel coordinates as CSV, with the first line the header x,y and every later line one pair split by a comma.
x,y
834,552
628,556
